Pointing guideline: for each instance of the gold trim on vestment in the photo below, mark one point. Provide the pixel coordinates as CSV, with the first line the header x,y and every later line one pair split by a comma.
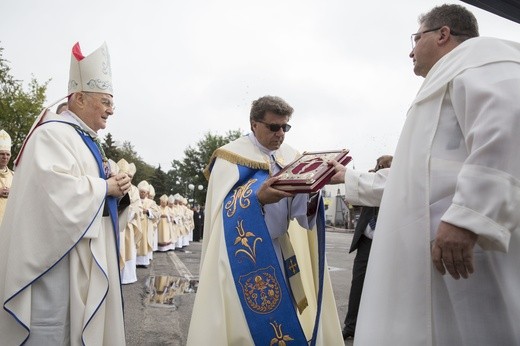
x,y
241,196
235,159
243,240
280,338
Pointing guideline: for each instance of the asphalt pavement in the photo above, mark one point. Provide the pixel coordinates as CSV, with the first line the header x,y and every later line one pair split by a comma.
x,y
158,306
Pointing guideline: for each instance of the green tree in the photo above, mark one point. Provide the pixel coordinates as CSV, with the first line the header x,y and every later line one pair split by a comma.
x,y
190,170
160,182
111,149
18,108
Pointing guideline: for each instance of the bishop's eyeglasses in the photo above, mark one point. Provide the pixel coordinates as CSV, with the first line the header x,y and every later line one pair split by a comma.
x,y
103,100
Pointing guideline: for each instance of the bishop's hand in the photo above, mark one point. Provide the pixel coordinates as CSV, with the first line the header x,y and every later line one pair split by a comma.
x,y
118,185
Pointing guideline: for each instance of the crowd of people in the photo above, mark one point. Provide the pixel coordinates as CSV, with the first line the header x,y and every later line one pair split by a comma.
x,y
146,227
74,227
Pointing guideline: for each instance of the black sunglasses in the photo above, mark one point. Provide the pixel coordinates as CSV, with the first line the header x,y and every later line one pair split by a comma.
x,y
276,127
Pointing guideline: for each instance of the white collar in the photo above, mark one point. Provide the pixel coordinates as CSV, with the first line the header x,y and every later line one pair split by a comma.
x,y
263,149
70,117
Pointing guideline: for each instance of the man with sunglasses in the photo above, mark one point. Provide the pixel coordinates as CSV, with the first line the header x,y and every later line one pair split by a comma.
x,y
59,260
451,201
262,264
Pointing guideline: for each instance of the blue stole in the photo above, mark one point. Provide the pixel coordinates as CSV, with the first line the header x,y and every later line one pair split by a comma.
x,y
262,289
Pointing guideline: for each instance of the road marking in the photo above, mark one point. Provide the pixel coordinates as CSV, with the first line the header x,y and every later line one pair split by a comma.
x,y
179,265
335,269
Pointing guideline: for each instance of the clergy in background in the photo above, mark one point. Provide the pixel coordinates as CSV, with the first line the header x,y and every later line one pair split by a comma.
x,y
6,175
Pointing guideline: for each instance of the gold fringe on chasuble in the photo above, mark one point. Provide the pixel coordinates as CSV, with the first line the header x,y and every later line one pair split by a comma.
x,y
235,159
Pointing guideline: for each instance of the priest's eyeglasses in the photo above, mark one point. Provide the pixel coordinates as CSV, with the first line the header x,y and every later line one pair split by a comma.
x,y
417,36
104,101
276,127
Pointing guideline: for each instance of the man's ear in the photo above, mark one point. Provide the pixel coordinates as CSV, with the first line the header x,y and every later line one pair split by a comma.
x,y
75,99
79,102
81,99
445,35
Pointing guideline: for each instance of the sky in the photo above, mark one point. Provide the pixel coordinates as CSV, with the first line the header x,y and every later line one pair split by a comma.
x,y
184,68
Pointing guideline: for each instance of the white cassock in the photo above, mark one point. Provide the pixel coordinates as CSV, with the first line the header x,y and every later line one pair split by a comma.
x,y
186,226
456,161
145,245
6,179
164,230
58,255
156,212
132,233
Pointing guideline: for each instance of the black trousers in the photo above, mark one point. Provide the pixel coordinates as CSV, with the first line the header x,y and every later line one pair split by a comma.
x,y
358,278
197,233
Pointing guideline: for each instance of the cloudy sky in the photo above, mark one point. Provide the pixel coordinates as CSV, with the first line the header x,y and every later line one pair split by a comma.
x,y
183,68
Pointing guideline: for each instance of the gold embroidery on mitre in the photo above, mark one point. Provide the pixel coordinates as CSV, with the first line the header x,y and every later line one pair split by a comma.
x,y
241,196
261,290
243,240
279,338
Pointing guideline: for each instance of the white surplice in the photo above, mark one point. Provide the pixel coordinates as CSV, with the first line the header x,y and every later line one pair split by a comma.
x,y
6,179
58,255
456,161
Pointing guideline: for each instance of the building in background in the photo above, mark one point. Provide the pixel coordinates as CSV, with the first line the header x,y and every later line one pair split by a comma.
x,y
338,213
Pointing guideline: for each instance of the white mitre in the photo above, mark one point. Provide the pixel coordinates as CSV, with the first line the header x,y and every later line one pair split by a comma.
x,y
177,197
5,141
131,169
143,186
114,168
90,73
123,166
151,191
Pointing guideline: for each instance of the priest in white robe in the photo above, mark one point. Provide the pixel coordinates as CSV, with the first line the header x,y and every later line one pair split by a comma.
x,y
59,262
6,175
176,233
131,230
443,267
164,229
145,244
154,209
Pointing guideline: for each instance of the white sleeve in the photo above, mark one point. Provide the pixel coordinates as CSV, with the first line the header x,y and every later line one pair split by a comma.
x,y
486,199
365,188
